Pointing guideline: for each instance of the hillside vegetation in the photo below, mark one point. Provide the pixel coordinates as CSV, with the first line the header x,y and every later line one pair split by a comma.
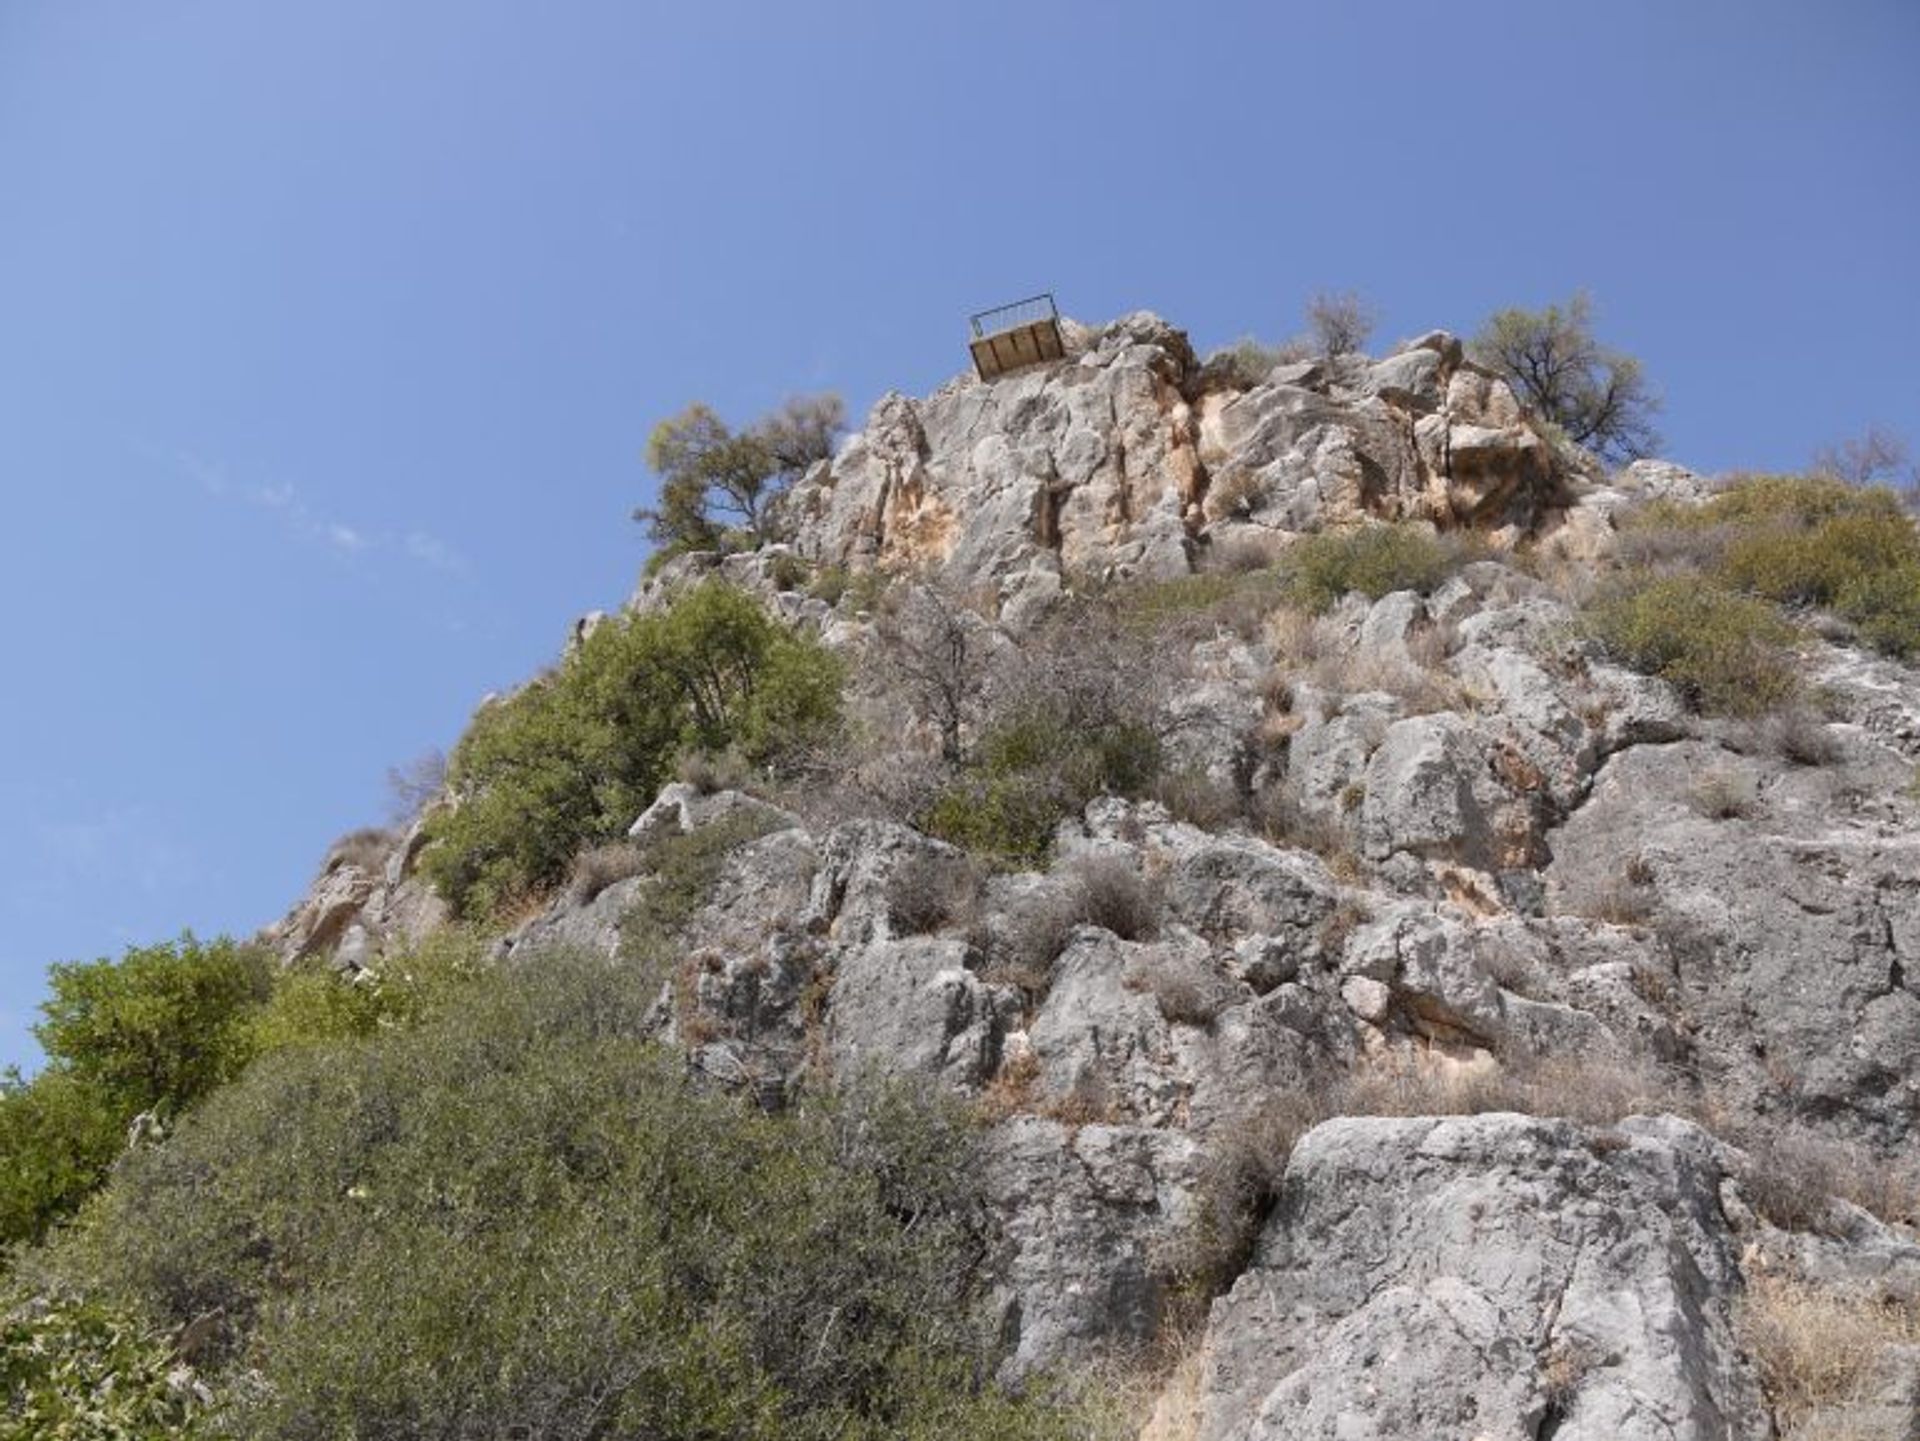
x,y
1118,897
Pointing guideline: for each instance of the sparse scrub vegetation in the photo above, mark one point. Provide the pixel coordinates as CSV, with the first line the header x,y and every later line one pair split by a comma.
x,y
1187,992
365,849
682,870
1726,653
1019,943
1372,559
1339,322
1075,720
1247,362
926,895
1723,795
1796,541
570,761
1114,895
1819,1347
601,866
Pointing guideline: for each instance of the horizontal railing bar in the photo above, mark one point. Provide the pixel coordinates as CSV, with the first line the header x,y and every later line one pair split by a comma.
x,y
1008,316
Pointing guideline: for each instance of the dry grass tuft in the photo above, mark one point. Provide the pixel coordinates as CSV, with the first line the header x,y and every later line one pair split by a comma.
x,y
365,849
1793,1177
1724,795
1187,992
599,867
925,895
1115,896
1593,1091
1819,1349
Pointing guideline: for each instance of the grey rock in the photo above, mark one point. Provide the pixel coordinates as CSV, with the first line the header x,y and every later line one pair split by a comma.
x,y
1412,380
1085,1213
1790,934
1487,1276
1421,795
903,1007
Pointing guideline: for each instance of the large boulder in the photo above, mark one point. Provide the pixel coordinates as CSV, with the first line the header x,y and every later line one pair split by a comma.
x,y
1490,1276
1788,928
1085,1213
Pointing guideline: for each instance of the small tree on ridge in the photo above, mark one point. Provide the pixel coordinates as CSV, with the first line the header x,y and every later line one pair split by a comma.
x,y
1597,396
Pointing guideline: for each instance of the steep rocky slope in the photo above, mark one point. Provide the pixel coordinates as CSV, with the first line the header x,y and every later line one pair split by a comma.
x,y
1509,876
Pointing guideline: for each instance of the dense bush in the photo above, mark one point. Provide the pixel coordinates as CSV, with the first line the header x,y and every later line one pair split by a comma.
x,y
1373,559
151,1032
1800,541
520,1220
164,1026
1034,770
571,760
159,1027
75,1370
1727,653
314,1005
58,1135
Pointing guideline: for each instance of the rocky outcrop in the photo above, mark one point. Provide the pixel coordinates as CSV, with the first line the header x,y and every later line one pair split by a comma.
x,y
1453,860
365,900
1488,1276
1129,459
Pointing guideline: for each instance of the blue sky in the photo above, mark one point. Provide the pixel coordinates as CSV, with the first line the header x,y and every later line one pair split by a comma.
x,y
330,335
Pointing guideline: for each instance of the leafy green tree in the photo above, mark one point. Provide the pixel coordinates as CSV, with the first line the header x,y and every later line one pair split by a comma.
x,y
58,1135
161,1026
153,1031
573,759
1597,396
716,483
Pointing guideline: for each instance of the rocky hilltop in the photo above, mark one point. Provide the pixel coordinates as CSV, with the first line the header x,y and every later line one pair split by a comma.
x,y
1480,1039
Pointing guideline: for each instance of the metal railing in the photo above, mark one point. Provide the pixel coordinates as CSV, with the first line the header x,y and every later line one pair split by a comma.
x,y
1033,309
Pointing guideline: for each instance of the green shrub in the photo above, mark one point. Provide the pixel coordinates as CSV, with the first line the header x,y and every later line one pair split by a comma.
x,y
76,1370
571,760
1886,608
1247,362
159,1027
1802,499
58,1135
1813,567
1198,605
1373,559
1034,770
314,1005
1727,653
520,1220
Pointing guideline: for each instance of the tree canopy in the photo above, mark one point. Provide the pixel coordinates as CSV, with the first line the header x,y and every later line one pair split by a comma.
x,y
719,485
1597,396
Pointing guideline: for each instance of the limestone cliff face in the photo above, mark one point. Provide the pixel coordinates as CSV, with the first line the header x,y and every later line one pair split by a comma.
x,y
1129,459
1512,875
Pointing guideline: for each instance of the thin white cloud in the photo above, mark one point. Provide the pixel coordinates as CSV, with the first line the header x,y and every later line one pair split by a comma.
x,y
122,844
432,551
345,537
281,498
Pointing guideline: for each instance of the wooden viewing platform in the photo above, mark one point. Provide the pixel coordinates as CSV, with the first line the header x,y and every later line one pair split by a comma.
x,y
1014,336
